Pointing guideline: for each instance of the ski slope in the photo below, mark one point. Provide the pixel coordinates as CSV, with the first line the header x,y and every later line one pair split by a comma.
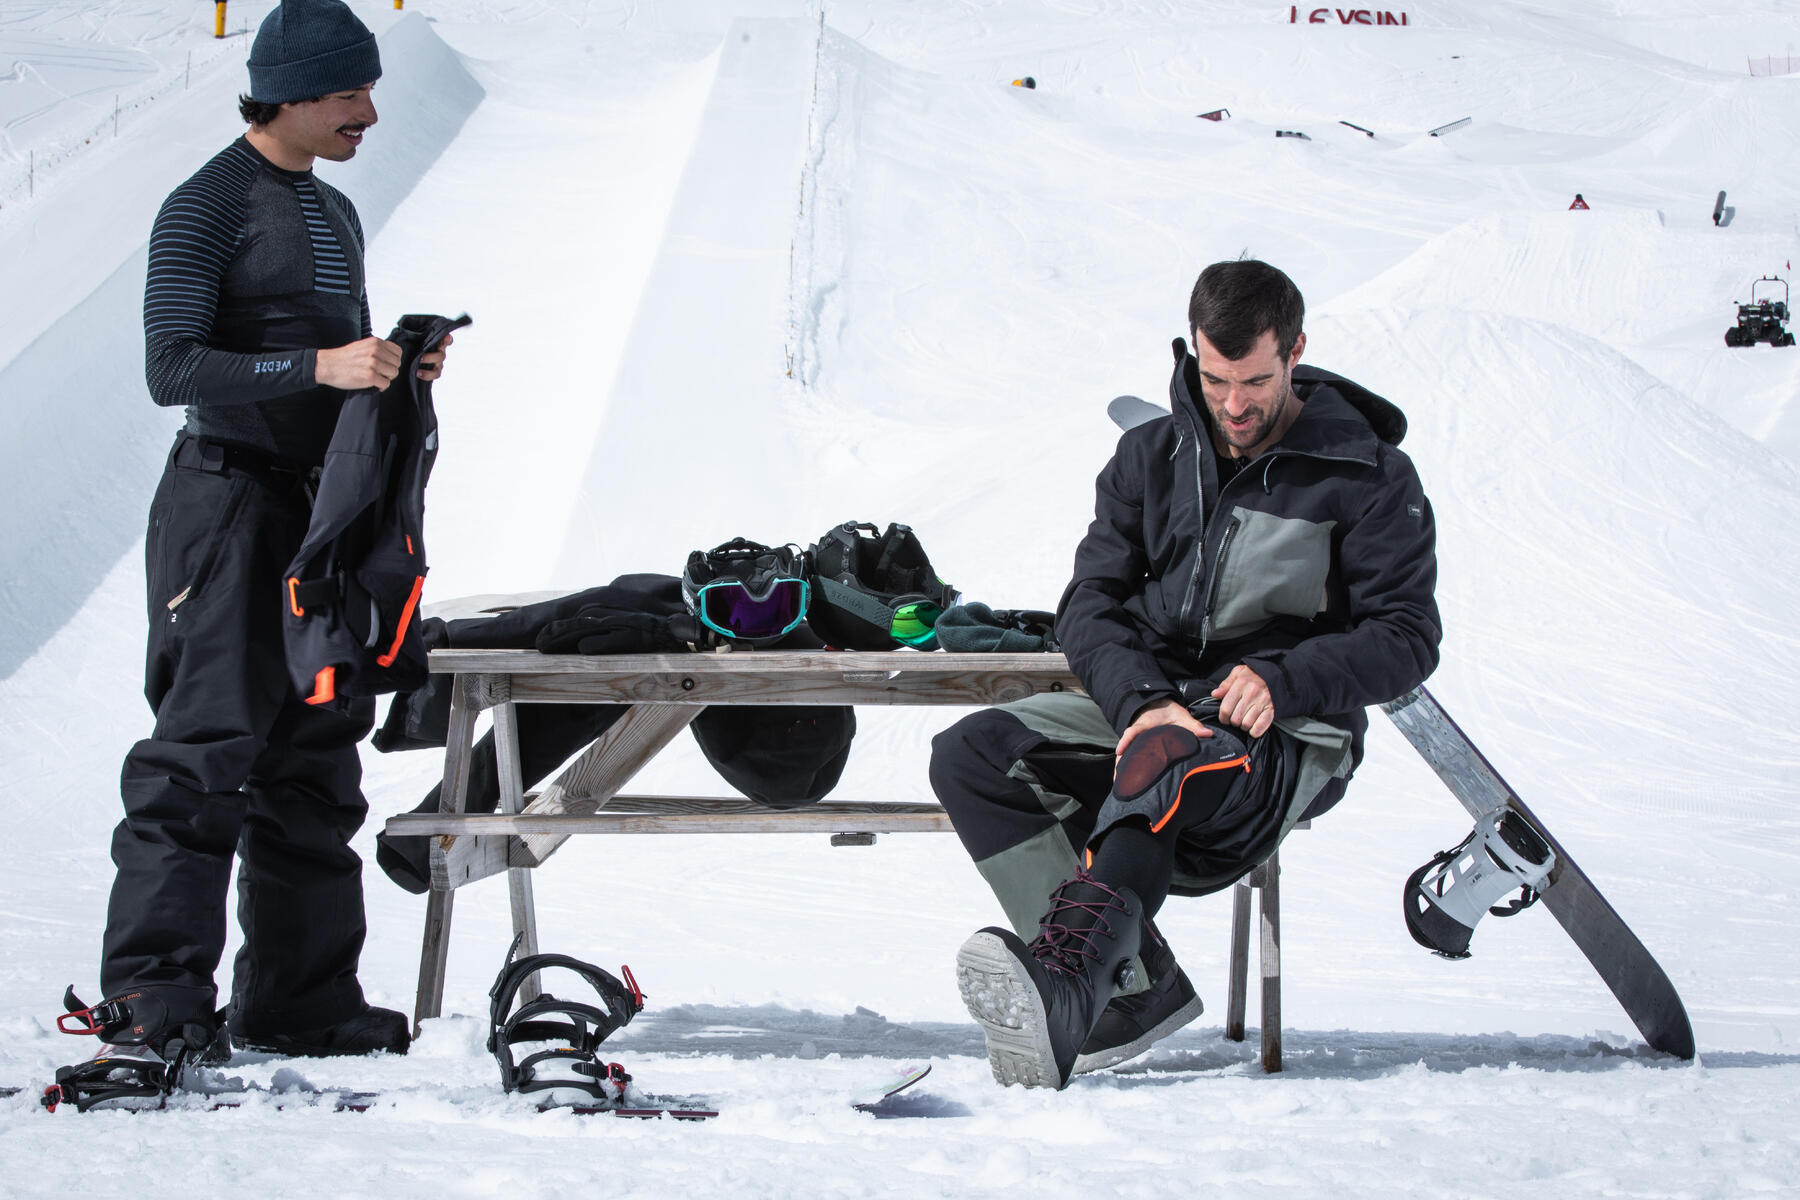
x,y
737,270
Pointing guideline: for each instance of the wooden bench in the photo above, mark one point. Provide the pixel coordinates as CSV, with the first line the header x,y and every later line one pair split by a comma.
x,y
665,693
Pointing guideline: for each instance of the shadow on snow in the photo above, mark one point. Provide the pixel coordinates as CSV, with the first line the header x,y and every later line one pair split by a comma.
x,y
752,1031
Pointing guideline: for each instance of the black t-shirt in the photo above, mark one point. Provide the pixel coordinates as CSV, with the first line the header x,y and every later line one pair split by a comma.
x,y
1228,466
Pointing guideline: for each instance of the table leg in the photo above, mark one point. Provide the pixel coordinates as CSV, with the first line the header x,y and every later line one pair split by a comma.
x,y
1237,982
512,800
434,951
1271,964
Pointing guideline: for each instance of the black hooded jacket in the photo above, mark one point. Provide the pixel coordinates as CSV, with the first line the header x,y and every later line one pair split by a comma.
x,y
1314,565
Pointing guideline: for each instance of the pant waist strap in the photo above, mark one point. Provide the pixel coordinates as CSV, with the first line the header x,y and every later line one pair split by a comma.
x,y
195,453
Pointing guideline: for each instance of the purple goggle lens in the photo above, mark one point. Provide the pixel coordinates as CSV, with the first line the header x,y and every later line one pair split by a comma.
x,y
729,607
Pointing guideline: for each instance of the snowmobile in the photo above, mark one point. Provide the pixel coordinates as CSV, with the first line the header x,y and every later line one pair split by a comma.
x,y
1762,320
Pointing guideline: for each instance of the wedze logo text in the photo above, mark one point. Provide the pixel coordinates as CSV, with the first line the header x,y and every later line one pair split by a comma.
x,y
267,365
1345,16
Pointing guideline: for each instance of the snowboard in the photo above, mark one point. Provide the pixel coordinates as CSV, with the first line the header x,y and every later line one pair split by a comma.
x,y
1627,968
876,1100
1128,412
337,1100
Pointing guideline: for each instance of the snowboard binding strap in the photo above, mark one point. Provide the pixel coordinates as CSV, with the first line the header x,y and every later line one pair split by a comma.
x,y
92,1018
578,1028
1445,898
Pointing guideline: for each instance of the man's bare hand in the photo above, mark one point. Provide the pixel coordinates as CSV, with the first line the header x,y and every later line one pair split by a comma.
x,y
1244,701
370,363
1163,712
431,363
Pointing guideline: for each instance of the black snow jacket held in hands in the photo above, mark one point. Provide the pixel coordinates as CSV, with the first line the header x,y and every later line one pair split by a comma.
x,y
351,596
1314,565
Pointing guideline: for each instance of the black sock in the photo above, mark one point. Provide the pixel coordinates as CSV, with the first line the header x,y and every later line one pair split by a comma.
x,y
1129,855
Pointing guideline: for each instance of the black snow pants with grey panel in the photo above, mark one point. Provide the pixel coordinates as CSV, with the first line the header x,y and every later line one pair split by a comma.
x,y
1028,787
238,764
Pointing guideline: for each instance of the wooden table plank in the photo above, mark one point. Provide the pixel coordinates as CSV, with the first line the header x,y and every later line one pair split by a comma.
x,y
495,827
747,662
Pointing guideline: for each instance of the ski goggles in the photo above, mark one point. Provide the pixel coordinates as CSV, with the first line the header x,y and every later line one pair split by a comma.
x,y
915,622
737,609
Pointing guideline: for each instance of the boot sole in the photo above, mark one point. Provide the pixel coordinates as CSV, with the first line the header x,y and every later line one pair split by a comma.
x,y
1102,1059
1001,997
289,1049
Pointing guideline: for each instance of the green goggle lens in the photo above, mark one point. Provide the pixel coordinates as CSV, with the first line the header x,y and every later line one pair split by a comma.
x,y
914,623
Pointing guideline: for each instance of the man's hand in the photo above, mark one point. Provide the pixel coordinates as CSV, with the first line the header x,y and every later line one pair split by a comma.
x,y
1244,701
370,363
1162,712
431,363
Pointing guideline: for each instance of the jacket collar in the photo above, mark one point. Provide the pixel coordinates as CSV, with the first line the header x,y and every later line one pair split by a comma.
x,y
1338,418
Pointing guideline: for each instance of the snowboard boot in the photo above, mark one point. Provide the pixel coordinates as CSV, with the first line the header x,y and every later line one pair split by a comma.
x,y
371,1030
1131,1024
1037,1004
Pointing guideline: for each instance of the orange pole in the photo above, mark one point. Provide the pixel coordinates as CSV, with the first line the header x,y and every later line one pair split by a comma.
x,y
399,4
219,19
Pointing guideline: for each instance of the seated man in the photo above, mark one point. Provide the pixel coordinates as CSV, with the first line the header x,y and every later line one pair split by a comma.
x,y
1260,568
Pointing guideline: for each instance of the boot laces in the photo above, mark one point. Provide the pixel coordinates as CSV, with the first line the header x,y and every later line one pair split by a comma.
x,y
1061,947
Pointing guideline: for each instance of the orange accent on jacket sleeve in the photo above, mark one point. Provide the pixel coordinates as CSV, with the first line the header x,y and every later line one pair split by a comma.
x,y
293,597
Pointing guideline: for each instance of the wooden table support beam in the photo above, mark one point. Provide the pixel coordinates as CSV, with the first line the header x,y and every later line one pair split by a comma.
x,y
665,693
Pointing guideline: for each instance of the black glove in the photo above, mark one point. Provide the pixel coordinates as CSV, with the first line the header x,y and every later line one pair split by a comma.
x,y
603,630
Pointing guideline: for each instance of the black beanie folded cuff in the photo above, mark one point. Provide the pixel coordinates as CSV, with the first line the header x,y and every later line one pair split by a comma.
x,y
340,70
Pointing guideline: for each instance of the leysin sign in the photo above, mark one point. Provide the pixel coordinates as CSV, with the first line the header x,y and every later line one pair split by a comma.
x,y
1345,16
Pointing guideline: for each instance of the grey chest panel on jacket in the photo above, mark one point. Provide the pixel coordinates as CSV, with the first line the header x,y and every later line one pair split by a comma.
x,y
1269,566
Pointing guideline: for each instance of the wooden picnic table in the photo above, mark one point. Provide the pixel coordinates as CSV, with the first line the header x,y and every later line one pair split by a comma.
x,y
665,692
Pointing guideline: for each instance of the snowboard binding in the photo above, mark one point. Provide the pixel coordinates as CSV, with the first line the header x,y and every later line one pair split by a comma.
x,y
120,1072
571,1031
1445,898
113,1079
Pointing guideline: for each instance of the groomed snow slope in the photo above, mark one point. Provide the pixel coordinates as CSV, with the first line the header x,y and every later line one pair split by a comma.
x,y
970,271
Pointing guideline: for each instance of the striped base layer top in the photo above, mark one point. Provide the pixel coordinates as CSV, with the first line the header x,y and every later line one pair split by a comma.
x,y
253,270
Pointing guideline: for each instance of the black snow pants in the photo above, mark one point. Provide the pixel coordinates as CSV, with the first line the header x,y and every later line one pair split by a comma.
x,y
1028,786
239,764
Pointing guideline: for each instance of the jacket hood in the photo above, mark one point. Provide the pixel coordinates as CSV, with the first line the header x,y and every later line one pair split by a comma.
x,y
1382,416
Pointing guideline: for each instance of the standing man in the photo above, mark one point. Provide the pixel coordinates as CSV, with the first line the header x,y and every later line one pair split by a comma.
x,y
1260,569
255,319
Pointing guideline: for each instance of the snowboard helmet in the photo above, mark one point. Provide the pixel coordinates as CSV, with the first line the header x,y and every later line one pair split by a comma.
x,y
570,1031
875,590
747,591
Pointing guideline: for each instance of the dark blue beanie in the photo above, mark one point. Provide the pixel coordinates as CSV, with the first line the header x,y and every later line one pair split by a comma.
x,y
311,48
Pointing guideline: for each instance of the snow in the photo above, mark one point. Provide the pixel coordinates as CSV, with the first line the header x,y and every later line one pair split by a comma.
x,y
735,270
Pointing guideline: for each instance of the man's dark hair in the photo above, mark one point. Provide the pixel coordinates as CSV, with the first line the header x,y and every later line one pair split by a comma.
x,y
1235,303
258,113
